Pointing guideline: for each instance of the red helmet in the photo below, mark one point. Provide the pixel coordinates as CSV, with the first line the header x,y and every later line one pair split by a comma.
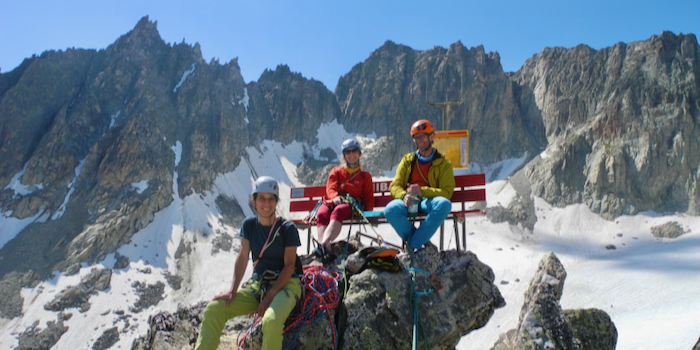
x,y
422,126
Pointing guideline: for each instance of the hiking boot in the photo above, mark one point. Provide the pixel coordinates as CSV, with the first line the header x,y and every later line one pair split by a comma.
x,y
316,255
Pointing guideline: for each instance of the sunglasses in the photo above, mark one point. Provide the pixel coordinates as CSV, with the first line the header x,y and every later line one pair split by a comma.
x,y
351,150
418,137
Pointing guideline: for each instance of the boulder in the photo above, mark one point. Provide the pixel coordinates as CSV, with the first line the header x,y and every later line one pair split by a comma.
x,y
379,312
593,327
34,338
544,325
667,230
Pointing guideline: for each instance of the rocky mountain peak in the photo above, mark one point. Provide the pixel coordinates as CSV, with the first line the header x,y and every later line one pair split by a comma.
x,y
141,43
616,120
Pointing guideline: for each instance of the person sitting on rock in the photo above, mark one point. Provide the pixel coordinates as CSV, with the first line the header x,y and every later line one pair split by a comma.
x,y
424,177
343,181
274,288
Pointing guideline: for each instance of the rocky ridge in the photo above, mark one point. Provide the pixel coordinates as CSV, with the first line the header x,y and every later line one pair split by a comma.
x,y
95,153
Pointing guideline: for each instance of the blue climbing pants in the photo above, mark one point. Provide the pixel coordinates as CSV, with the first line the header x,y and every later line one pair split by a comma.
x,y
437,208
246,302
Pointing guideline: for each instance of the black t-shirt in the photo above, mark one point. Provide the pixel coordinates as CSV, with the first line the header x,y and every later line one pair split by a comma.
x,y
284,234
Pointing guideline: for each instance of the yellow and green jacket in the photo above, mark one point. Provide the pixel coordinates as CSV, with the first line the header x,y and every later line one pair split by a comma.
x,y
440,176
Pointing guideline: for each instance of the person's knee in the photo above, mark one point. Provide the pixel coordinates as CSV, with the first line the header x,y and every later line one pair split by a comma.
x,y
341,212
323,215
212,307
442,205
271,321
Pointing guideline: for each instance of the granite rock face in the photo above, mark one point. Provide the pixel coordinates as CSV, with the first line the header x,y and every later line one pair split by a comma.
x,y
621,125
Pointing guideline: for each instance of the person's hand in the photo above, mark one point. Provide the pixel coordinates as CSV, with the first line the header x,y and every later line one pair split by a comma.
x,y
308,220
415,189
228,296
408,200
265,303
338,200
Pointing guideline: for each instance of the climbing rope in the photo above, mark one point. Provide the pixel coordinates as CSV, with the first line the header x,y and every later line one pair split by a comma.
x,y
414,296
413,299
356,209
320,294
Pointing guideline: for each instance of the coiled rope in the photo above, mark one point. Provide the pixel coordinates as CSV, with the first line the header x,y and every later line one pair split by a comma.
x,y
320,294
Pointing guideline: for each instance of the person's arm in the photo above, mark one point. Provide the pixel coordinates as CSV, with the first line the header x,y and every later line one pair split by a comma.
x,y
398,185
368,193
290,256
238,272
332,185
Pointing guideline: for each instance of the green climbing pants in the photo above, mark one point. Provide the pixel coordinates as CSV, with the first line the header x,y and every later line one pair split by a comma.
x,y
246,302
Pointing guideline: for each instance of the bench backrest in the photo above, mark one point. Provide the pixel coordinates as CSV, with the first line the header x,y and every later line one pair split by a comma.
x,y
304,199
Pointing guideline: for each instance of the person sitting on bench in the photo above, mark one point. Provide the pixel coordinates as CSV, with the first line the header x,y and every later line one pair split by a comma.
x,y
343,181
424,178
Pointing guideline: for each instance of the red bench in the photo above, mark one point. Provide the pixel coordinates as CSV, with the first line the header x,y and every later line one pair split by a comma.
x,y
468,188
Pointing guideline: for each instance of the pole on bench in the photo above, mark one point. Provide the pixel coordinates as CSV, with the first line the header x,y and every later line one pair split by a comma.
x,y
464,228
308,241
442,235
454,221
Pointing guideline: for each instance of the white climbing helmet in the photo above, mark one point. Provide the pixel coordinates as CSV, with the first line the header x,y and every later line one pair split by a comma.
x,y
351,143
266,184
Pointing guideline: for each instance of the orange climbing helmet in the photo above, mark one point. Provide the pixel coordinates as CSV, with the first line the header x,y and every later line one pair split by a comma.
x,y
422,126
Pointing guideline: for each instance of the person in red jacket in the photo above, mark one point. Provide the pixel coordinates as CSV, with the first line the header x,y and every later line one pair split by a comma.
x,y
346,180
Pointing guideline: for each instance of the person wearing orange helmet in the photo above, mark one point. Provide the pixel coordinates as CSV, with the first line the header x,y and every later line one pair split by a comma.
x,y
425,178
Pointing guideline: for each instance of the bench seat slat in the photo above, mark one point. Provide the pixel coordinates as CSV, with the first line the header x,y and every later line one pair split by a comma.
x,y
469,196
308,205
470,180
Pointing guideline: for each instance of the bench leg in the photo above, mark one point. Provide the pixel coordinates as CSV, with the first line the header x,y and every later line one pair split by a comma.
x,y
308,241
464,233
456,233
442,235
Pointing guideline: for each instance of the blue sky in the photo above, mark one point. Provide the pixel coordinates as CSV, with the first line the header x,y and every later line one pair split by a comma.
x,y
324,39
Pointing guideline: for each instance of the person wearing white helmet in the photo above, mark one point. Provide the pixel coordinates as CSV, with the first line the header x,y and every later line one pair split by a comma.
x,y
346,180
274,289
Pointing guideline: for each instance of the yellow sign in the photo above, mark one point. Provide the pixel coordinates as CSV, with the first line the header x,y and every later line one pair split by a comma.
x,y
454,145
